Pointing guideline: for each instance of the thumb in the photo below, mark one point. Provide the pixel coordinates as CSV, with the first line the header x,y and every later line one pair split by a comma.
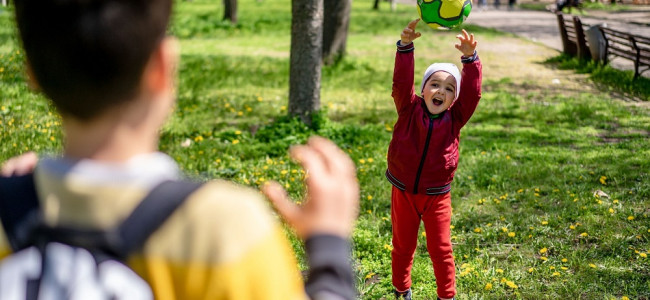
x,y
280,200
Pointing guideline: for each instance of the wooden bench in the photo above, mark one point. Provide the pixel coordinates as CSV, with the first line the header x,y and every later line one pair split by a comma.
x,y
573,36
629,46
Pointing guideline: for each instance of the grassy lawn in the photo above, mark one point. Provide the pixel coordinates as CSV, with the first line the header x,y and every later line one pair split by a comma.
x,y
551,195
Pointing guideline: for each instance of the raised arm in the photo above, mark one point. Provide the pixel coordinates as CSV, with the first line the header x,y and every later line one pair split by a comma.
x,y
470,85
403,91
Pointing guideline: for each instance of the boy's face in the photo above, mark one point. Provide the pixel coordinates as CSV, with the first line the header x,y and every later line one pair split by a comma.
x,y
439,92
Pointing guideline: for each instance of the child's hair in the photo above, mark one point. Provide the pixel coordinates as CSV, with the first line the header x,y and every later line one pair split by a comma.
x,y
447,67
88,54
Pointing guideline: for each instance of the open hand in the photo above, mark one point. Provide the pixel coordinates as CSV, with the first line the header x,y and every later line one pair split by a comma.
x,y
332,202
409,34
467,43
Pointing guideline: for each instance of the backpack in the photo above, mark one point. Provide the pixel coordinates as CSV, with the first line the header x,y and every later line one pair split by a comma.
x,y
74,263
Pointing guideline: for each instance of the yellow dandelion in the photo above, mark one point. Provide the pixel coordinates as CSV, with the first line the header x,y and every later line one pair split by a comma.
x,y
603,180
283,107
477,230
369,197
369,211
507,156
520,191
235,142
237,132
544,258
572,227
592,265
555,274
511,284
551,268
504,229
543,250
564,268
642,254
198,139
488,286
287,185
615,201
369,275
388,247
499,270
452,227
544,222
564,260
625,298
424,233
630,218
284,172
584,234
52,139
363,161
611,210
511,234
530,270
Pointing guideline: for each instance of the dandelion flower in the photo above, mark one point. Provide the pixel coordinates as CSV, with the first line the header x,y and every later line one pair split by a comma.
x,y
424,233
544,258
520,191
369,197
388,247
235,142
630,218
477,230
615,201
530,270
592,265
504,229
584,234
603,180
370,160
511,284
488,286
572,227
625,298
543,250
642,254
564,260
511,234
198,139
499,270
555,274
544,222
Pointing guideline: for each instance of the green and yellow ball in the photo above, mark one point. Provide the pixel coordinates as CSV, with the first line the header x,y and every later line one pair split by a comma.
x,y
444,14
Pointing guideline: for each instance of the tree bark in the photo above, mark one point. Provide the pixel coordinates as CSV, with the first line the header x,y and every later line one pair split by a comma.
x,y
230,10
305,58
376,5
335,29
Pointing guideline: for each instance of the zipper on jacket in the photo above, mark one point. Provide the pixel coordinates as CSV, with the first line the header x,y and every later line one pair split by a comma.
x,y
424,155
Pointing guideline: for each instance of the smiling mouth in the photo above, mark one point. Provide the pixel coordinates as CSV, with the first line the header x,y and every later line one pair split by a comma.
x,y
437,102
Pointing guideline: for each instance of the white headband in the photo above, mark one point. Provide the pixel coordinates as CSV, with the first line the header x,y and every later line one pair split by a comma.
x,y
447,67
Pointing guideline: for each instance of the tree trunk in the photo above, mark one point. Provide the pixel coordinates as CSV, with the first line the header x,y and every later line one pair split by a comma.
x,y
305,60
376,5
335,29
230,10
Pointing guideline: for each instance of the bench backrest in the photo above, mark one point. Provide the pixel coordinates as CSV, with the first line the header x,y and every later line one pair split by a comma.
x,y
629,46
573,36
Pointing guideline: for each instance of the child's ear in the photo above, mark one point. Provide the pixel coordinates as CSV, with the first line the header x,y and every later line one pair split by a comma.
x,y
160,72
31,79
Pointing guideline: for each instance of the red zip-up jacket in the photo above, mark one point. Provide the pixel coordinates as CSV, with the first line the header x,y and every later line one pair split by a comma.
x,y
423,154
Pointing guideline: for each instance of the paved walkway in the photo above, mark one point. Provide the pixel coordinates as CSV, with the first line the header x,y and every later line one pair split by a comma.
x,y
542,27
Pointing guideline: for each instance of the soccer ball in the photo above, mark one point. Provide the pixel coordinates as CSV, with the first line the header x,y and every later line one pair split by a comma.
x,y
444,14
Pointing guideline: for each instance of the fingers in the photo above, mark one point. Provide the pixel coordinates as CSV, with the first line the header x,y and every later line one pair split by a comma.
x,y
20,165
413,23
336,161
417,35
281,202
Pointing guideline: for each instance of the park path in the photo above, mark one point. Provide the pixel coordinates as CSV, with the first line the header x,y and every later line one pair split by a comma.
x,y
542,26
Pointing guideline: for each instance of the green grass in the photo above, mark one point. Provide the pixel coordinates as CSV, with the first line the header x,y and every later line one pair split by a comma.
x,y
525,222
608,78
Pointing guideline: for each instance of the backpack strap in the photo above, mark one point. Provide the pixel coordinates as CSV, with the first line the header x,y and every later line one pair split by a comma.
x,y
132,233
18,205
152,212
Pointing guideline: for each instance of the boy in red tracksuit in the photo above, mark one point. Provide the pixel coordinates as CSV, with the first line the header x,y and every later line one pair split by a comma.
x,y
423,155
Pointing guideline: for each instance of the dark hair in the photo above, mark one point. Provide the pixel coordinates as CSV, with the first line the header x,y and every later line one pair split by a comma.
x,y
88,55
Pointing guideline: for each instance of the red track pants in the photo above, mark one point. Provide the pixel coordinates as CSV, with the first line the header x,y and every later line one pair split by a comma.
x,y
435,211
